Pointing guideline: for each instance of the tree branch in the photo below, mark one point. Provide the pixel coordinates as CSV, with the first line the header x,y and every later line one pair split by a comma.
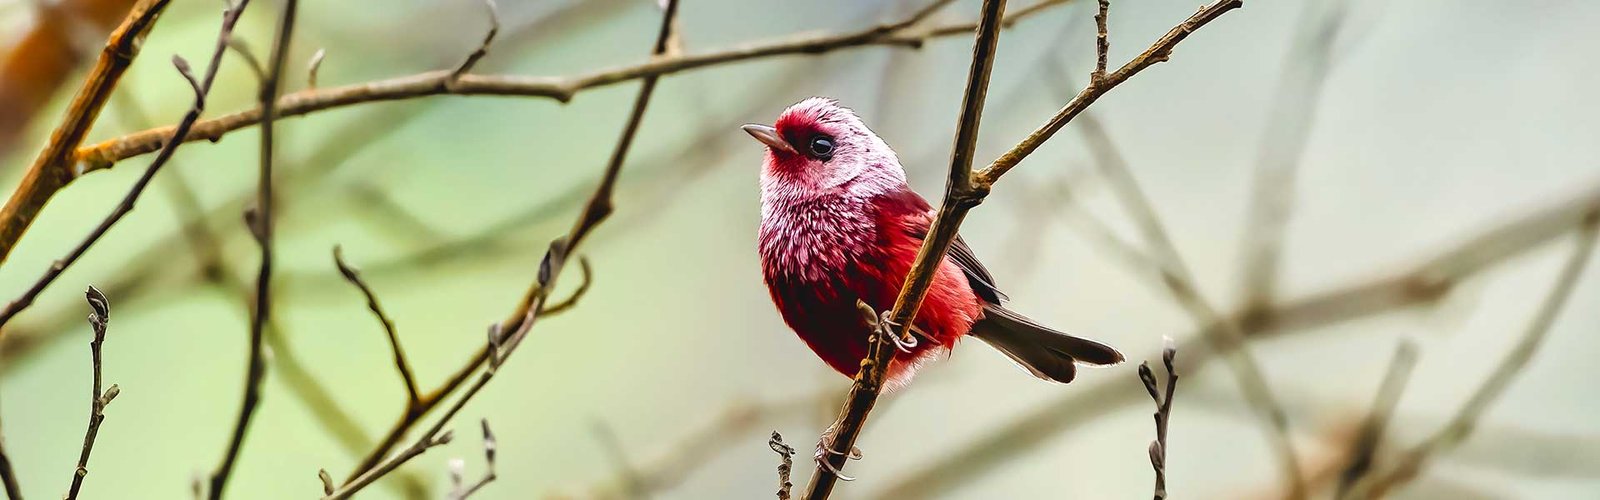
x,y
1163,399
401,364
959,198
1453,433
260,220
897,34
99,315
1370,436
786,454
504,337
52,168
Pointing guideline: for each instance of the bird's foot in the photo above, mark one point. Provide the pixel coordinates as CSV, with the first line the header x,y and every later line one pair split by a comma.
x,y
825,453
888,326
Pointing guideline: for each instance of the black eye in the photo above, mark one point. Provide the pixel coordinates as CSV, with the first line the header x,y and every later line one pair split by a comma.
x,y
822,147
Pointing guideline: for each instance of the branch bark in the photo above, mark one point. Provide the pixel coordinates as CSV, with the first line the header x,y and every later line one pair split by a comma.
x,y
99,316
895,34
260,220
52,168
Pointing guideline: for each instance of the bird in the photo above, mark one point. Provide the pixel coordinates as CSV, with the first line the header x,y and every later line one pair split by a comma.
x,y
839,225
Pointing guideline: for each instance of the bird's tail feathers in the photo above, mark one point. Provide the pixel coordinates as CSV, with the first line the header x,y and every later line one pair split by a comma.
x,y
1047,353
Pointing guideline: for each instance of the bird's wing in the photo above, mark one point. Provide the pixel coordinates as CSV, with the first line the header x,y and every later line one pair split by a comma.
x,y
978,277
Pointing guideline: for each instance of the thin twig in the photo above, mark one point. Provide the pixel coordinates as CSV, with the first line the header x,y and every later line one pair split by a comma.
x,y
99,315
506,336
1163,400
786,454
483,47
959,198
202,87
52,169
1102,42
1284,138
1178,281
261,226
106,153
459,490
1377,421
1453,433
401,364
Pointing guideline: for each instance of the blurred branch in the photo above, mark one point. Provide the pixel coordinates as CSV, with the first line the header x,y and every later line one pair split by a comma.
x,y
960,196
1418,284
1288,130
52,169
1371,435
38,64
119,51
506,336
786,455
401,364
260,219
106,153
1177,279
99,315
688,453
1411,462
1163,399
213,268
459,490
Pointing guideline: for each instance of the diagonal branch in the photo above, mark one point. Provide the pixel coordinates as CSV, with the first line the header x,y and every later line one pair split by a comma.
x,y
401,364
1453,433
506,336
959,198
52,168
896,34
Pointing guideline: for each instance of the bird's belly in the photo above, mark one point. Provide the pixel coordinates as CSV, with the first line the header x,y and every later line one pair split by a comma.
x,y
819,304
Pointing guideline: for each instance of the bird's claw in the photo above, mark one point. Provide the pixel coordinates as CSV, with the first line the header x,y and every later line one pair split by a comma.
x,y
825,451
904,344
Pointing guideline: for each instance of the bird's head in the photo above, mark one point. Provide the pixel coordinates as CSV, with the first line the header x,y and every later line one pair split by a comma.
x,y
817,144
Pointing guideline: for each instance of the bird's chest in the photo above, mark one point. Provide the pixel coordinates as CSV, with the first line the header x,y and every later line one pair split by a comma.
x,y
816,241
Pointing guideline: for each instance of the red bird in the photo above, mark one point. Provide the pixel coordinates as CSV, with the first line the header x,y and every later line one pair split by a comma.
x,y
839,224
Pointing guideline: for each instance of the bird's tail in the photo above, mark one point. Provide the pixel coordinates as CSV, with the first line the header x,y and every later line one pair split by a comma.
x,y
1047,353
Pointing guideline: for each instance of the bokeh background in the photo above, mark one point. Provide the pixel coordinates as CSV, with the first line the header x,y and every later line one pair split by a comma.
x,y
1413,125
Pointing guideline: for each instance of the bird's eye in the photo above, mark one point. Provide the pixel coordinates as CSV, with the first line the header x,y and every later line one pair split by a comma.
x,y
822,147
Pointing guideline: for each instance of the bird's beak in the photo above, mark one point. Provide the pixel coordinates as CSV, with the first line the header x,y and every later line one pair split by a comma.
x,y
769,136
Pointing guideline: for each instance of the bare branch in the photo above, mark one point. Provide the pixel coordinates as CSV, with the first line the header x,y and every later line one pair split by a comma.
x,y
99,315
1283,142
505,337
52,169
1102,43
202,87
1453,433
483,48
262,227
313,67
1372,428
106,153
959,198
786,454
460,490
1163,399
401,364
